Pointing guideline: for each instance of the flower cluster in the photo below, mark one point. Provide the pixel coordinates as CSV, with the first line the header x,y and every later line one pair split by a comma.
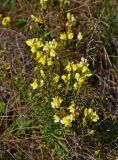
x,y
77,72
37,19
71,21
67,119
6,21
66,36
44,54
91,115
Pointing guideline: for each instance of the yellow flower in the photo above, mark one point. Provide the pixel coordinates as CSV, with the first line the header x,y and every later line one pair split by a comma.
x,y
89,111
64,78
66,121
81,81
84,69
75,85
42,60
56,118
56,78
6,21
30,42
80,36
42,73
52,53
53,44
46,47
83,60
93,116
38,55
70,35
77,76
37,19
39,43
91,132
49,62
74,67
63,36
41,83
56,102
71,117
71,108
34,85
33,49
68,67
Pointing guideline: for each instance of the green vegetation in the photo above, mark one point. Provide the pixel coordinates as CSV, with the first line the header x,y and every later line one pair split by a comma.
x,y
58,80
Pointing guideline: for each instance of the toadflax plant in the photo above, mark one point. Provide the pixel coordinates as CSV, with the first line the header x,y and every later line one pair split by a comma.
x,y
59,81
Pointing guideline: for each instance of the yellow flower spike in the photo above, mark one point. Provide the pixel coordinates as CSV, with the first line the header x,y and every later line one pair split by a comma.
x,y
41,83
68,67
63,36
66,121
37,19
56,102
80,36
56,78
56,118
70,35
6,21
42,60
71,108
34,84
52,53
49,62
